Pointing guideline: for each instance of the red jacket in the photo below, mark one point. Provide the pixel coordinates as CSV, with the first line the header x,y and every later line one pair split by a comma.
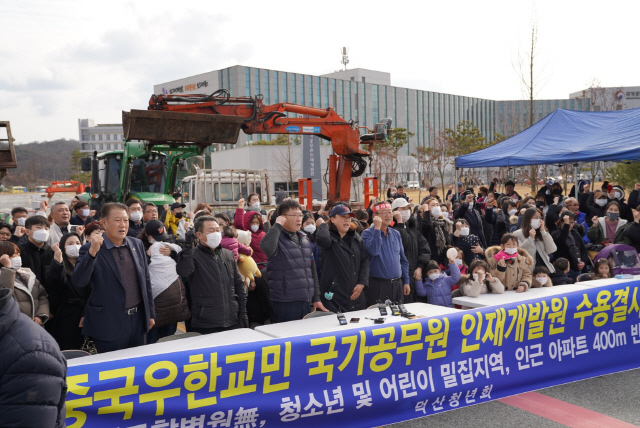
x,y
242,221
235,247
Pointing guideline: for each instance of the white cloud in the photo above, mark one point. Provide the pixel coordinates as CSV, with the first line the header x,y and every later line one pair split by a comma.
x,y
64,60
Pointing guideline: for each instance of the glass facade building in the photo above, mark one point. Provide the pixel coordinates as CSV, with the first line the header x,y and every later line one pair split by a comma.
x,y
367,96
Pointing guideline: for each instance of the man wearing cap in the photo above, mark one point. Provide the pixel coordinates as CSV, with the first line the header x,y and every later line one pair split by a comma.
x,y
291,270
156,232
173,217
388,266
345,262
416,248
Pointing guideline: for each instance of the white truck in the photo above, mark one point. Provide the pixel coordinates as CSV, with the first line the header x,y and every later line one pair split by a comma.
x,y
223,187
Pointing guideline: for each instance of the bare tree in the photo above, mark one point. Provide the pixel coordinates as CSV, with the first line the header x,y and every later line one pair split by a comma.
x,y
531,86
287,163
439,156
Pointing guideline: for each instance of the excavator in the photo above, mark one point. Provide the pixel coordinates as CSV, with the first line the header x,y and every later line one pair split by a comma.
x,y
7,151
173,121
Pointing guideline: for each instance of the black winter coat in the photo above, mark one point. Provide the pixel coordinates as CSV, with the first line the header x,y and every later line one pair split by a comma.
x,y
33,371
632,235
36,259
345,264
428,232
66,304
218,298
561,239
416,250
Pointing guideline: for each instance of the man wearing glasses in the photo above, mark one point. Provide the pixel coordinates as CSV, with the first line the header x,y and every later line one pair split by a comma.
x,y
388,266
291,271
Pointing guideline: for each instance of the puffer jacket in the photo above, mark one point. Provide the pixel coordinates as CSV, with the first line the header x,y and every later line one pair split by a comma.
x,y
438,292
242,221
235,247
33,371
27,290
514,273
597,233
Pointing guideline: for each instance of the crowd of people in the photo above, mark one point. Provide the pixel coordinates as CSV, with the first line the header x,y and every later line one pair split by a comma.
x,y
127,275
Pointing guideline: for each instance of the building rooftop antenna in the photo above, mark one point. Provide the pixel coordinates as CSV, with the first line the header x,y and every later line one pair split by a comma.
x,y
345,56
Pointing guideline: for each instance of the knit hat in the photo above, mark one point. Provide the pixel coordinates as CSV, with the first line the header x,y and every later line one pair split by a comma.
x,y
618,188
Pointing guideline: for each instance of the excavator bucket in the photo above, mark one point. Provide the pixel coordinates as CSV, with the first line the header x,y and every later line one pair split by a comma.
x,y
168,126
7,152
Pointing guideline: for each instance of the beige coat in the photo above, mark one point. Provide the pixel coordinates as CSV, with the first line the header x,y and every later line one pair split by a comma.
x,y
543,247
28,292
513,274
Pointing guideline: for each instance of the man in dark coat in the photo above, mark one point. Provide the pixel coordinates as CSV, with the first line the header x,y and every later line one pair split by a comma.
x,y
218,298
120,310
416,247
32,371
345,263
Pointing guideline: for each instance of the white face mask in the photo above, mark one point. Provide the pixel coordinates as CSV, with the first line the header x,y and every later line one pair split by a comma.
x,y
136,216
255,227
475,276
542,279
511,251
535,223
458,262
256,206
436,211
40,235
151,240
213,239
310,228
515,200
464,231
470,205
16,262
73,251
405,215
601,202
512,212
434,276
21,221
85,213
617,195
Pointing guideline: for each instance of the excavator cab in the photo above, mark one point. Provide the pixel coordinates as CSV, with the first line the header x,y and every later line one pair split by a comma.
x,y
7,152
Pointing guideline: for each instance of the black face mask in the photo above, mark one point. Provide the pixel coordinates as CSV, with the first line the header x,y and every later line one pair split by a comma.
x,y
556,191
178,215
539,204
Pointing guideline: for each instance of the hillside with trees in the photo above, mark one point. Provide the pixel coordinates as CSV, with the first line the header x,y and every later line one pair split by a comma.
x,y
40,163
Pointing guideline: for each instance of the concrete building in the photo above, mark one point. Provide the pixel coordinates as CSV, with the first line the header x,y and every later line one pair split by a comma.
x,y
100,137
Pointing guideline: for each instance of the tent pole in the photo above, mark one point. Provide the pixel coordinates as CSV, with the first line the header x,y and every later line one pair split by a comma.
x,y
576,180
455,186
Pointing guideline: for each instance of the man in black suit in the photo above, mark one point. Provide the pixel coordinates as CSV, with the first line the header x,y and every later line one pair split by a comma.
x,y
120,309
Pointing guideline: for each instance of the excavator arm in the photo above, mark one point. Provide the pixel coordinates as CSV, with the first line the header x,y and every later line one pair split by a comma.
x,y
217,118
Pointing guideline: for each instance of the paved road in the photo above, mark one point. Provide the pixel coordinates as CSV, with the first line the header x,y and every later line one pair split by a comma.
x,y
614,397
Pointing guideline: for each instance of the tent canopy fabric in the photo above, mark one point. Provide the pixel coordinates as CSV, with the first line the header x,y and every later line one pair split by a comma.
x,y
566,136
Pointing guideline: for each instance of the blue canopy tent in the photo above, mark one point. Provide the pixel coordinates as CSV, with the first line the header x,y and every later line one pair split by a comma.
x,y
565,137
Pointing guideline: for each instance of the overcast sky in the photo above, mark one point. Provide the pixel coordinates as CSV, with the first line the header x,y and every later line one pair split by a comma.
x,y
65,60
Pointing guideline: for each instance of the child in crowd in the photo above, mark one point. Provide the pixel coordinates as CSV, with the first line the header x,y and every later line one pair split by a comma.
x,y
510,264
437,285
230,242
602,269
480,281
541,277
469,243
560,277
